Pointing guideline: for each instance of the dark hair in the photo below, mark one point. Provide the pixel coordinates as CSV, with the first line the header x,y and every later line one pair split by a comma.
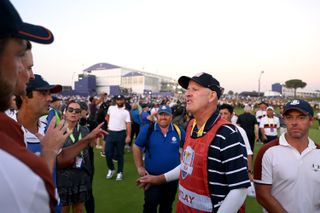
x,y
19,99
91,98
71,102
29,45
227,106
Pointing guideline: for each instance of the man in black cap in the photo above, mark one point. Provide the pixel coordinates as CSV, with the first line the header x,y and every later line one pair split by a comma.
x,y
119,128
31,107
287,170
213,174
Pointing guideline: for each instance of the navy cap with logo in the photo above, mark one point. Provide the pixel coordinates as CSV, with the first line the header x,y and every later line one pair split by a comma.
x,y
205,80
300,105
119,97
165,109
11,25
38,84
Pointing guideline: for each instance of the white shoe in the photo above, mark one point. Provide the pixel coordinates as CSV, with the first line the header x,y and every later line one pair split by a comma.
x,y
110,174
119,176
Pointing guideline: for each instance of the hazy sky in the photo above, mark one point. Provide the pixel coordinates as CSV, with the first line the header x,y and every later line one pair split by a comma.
x,y
231,39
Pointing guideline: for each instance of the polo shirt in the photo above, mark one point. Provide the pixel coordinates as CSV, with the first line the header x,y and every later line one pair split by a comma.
x,y
227,161
260,114
270,125
21,190
118,118
31,140
26,183
144,118
162,154
294,177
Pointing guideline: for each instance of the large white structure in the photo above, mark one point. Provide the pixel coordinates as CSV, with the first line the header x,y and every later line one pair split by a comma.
x,y
300,93
134,81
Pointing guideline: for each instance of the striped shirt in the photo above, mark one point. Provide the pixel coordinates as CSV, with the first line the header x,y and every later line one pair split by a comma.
x,y
227,161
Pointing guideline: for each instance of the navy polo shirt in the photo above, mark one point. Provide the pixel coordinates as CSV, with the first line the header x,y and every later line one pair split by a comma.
x,y
163,152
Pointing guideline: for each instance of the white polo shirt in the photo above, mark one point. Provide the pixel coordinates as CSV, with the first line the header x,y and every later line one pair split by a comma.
x,y
260,114
118,118
295,177
21,190
270,125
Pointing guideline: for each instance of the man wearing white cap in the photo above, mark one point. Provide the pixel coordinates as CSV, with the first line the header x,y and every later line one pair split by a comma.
x,y
269,126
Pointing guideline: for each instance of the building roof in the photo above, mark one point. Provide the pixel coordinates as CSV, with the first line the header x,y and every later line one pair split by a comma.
x,y
101,66
131,74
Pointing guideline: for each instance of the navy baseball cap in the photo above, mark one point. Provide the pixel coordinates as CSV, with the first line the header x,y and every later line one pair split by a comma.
x,y
165,109
119,97
204,79
39,84
11,25
300,105
55,98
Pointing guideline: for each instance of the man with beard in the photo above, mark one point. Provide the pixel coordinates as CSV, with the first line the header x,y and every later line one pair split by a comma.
x,y
161,142
119,128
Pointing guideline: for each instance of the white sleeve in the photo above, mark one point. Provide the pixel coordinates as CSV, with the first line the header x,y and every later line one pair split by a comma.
x,y
172,174
233,201
261,124
266,169
246,140
128,117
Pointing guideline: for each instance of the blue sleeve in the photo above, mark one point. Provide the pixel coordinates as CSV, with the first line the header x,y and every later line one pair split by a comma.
x,y
51,115
142,136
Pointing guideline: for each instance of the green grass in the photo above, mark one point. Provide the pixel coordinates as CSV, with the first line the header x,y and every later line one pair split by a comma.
x,y
125,197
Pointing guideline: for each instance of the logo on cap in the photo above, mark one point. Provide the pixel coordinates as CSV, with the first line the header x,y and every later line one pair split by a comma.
x,y
199,74
295,102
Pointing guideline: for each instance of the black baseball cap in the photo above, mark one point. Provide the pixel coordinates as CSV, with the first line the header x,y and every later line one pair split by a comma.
x,y
11,24
300,105
205,80
39,84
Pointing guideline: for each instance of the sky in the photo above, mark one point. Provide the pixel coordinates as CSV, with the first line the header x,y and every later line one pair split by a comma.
x,y
232,40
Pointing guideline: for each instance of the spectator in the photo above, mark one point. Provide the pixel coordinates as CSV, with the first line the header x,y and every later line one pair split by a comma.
x,y
74,182
207,174
249,123
286,170
269,126
161,142
119,128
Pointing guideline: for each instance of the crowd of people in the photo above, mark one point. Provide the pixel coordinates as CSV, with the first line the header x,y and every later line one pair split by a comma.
x,y
193,144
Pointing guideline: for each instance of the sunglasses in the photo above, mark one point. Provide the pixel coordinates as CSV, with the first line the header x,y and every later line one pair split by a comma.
x,y
70,109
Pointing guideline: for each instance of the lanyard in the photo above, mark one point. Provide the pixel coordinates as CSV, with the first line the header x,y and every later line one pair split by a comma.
x,y
79,137
200,131
57,117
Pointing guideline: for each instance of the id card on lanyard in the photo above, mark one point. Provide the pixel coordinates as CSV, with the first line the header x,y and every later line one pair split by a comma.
x,y
79,159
